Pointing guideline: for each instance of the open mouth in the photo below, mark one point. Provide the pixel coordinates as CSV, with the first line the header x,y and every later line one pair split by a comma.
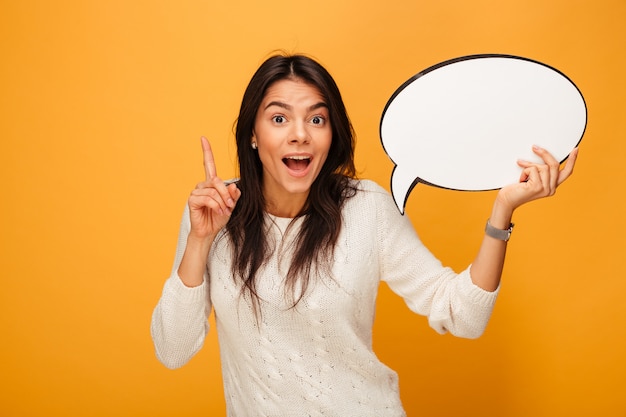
x,y
297,163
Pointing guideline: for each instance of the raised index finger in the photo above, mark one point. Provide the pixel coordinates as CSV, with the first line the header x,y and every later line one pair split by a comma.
x,y
209,163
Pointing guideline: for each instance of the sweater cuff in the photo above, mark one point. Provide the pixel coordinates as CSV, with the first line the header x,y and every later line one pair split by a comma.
x,y
474,293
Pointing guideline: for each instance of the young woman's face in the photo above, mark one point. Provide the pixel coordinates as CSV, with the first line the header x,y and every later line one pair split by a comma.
x,y
293,135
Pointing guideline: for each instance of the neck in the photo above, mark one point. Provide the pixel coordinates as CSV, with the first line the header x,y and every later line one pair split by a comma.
x,y
288,207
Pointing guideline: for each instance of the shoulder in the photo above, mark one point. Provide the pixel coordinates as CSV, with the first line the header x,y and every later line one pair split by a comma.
x,y
368,185
371,195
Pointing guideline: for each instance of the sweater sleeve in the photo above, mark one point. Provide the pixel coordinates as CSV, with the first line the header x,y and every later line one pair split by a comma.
x,y
451,301
179,320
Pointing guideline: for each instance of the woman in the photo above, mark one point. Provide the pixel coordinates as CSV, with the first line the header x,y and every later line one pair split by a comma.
x,y
290,258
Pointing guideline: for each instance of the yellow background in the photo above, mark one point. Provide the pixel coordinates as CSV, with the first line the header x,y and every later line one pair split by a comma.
x,y
102,104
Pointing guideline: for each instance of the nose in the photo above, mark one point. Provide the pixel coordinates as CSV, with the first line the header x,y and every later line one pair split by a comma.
x,y
299,133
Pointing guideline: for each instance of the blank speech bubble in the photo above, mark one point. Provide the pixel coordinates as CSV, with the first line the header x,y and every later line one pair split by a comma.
x,y
463,124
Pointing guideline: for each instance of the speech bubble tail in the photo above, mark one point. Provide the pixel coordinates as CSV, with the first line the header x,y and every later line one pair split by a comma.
x,y
401,186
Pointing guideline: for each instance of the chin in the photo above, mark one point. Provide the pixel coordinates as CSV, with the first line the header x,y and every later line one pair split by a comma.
x,y
299,188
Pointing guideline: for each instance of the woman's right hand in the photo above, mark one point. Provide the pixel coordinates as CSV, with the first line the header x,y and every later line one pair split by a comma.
x,y
211,202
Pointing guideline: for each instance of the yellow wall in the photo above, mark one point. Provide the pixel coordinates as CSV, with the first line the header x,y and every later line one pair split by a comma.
x,y
102,104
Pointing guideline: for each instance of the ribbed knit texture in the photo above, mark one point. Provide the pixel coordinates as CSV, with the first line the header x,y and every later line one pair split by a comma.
x,y
316,359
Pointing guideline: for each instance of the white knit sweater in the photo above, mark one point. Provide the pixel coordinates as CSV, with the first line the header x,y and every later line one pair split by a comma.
x,y
316,359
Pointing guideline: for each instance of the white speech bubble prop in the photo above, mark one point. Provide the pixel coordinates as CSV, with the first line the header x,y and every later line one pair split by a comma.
x,y
463,124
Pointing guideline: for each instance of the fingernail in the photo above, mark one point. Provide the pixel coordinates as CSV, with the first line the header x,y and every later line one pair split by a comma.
x,y
230,202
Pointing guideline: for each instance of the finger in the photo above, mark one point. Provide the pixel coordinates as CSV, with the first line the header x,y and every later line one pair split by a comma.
x,y
235,192
553,167
535,180
545,155
210,197
228,193
548,177
529,169
545,178
525,174
200,200
568,169
209,163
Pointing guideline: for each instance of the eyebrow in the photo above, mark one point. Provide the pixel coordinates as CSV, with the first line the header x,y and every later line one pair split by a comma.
x,y
289,107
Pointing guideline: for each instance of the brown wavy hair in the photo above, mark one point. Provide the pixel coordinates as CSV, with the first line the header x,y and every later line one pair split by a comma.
x,y
315,242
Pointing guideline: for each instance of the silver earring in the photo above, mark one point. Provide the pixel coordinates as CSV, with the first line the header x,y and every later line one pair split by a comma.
x,y
254,145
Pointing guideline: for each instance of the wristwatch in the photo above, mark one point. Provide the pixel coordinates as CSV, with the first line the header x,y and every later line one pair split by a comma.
x,y
499,233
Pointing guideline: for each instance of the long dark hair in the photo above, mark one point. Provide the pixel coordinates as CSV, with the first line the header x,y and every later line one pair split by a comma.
x,y
321,225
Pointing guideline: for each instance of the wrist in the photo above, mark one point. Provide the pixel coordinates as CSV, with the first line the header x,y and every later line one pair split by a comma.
x,y
194,261
201,244
501,214
498,233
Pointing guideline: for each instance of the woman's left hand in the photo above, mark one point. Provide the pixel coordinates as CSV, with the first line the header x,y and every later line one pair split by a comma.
x,y
537,180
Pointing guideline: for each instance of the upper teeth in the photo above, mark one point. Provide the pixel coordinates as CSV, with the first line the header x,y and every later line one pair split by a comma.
x,y
299,158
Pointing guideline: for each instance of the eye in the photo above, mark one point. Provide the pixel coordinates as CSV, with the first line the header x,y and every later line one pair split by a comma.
x,y
278,119
318,120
